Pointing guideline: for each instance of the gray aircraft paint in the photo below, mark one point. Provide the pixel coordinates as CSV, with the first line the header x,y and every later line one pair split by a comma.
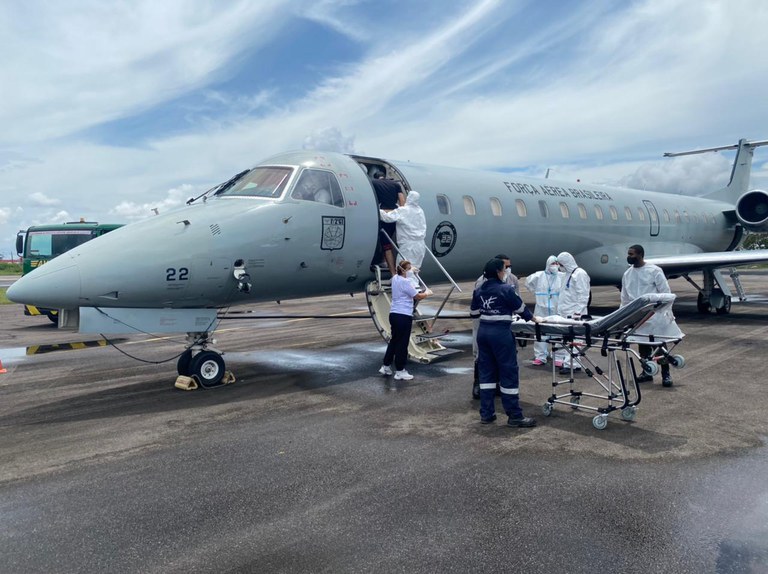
x,y
185,258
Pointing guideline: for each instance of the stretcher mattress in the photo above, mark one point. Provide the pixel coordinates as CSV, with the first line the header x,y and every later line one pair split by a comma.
x,y
622,321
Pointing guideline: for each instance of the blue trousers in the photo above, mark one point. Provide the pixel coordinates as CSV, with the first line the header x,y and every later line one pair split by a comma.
x,y
497,361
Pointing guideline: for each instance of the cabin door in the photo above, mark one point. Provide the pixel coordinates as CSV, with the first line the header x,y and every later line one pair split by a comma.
x,y
653,217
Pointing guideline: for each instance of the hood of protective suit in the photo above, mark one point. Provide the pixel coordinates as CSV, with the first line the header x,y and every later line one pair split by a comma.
x,y
551,260
412,198
566,260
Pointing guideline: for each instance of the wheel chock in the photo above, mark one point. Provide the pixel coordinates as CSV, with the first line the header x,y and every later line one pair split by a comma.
x,y
229,378
185,383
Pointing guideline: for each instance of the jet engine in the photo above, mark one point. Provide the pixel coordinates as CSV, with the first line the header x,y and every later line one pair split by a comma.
x,y
752,210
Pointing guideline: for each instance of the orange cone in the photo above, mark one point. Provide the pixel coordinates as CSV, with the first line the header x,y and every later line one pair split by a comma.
x,y
2,368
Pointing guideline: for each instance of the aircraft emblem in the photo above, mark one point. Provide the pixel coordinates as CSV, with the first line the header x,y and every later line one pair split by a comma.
x,y
443,239
333,233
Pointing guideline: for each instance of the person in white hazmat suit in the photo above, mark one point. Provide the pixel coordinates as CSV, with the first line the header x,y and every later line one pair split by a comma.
x,y
640,279
572,304
545,286
411,231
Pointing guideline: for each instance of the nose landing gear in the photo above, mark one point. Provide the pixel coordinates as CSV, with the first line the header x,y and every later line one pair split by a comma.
x,y
201,365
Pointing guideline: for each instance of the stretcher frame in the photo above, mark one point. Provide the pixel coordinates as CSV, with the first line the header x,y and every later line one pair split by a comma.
x,y
616,389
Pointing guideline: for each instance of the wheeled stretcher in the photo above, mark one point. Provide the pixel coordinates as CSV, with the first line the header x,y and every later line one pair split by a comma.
x,y
646,321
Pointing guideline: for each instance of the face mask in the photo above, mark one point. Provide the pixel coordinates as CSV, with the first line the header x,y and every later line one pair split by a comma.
x,y
507,273
631,260
554,269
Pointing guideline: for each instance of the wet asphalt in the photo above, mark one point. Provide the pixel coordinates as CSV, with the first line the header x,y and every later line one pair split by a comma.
x,y
312,462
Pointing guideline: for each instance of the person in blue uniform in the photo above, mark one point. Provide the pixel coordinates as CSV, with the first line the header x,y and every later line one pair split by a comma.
x,y
494,302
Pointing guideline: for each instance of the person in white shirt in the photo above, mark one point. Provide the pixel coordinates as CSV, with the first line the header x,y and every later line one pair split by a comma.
x,y
642,278
400,321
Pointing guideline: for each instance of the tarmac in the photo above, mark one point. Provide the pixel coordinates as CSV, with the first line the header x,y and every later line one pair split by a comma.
x,y
313,462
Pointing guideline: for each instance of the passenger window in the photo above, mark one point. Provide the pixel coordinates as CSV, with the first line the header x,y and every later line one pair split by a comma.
x,y
582,211
496,206
695,218
654,215
564,210
522,211
640,214
320,186
443,204
614,213
543,208
599,213
677,216
469,206
628,213
712,218
686,216
666,216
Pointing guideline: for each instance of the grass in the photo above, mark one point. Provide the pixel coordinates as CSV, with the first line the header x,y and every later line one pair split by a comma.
x,y
10,268
3,299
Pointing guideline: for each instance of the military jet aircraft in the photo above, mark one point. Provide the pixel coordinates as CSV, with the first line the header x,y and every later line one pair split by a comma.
x,y
305,223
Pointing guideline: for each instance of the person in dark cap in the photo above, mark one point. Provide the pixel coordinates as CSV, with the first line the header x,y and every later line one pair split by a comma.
x,y
494,302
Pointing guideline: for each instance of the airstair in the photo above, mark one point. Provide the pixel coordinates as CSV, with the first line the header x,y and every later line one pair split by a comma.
x,y
424,345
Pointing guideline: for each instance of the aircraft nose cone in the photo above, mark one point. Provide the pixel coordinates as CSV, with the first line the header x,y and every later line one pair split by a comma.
x,y
55,288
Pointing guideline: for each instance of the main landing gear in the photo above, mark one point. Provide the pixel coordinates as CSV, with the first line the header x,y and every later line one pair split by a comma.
x,y
201,364
714,294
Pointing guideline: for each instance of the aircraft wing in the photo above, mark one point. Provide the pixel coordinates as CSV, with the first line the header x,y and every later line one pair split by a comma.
x,y
677,264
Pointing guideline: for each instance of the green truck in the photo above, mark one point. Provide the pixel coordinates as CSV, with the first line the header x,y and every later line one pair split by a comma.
x,y
41,243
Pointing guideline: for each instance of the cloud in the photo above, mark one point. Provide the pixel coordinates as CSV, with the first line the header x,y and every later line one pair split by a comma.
x,y
687,175
128,210
39,198
330,139
100,62
5,214
596,91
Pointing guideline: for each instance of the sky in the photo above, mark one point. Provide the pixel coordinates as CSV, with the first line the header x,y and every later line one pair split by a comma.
x,y
110,109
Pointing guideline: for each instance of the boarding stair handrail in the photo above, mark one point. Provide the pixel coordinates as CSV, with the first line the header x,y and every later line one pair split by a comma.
x,y
454,286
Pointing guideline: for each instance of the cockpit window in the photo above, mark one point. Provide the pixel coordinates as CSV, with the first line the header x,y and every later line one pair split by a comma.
x,y
320,186
261,182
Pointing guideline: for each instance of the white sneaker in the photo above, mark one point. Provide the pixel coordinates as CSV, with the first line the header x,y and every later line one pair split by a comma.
x,y
385,370
403,375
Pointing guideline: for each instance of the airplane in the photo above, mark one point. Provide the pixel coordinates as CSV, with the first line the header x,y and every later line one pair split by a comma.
x,y
263,236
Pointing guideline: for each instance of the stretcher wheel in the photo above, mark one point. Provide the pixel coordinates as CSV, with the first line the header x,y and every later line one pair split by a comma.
x,y
575,402
546,409
600,422
677,361
650,368
628,413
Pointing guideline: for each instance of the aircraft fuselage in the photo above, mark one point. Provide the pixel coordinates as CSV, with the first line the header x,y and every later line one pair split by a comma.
x,y
295,247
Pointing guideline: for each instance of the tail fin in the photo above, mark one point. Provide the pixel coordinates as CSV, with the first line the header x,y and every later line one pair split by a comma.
x,y
740,172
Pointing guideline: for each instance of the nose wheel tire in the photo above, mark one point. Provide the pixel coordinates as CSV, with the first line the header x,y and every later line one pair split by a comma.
x,y
208,367
184,364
